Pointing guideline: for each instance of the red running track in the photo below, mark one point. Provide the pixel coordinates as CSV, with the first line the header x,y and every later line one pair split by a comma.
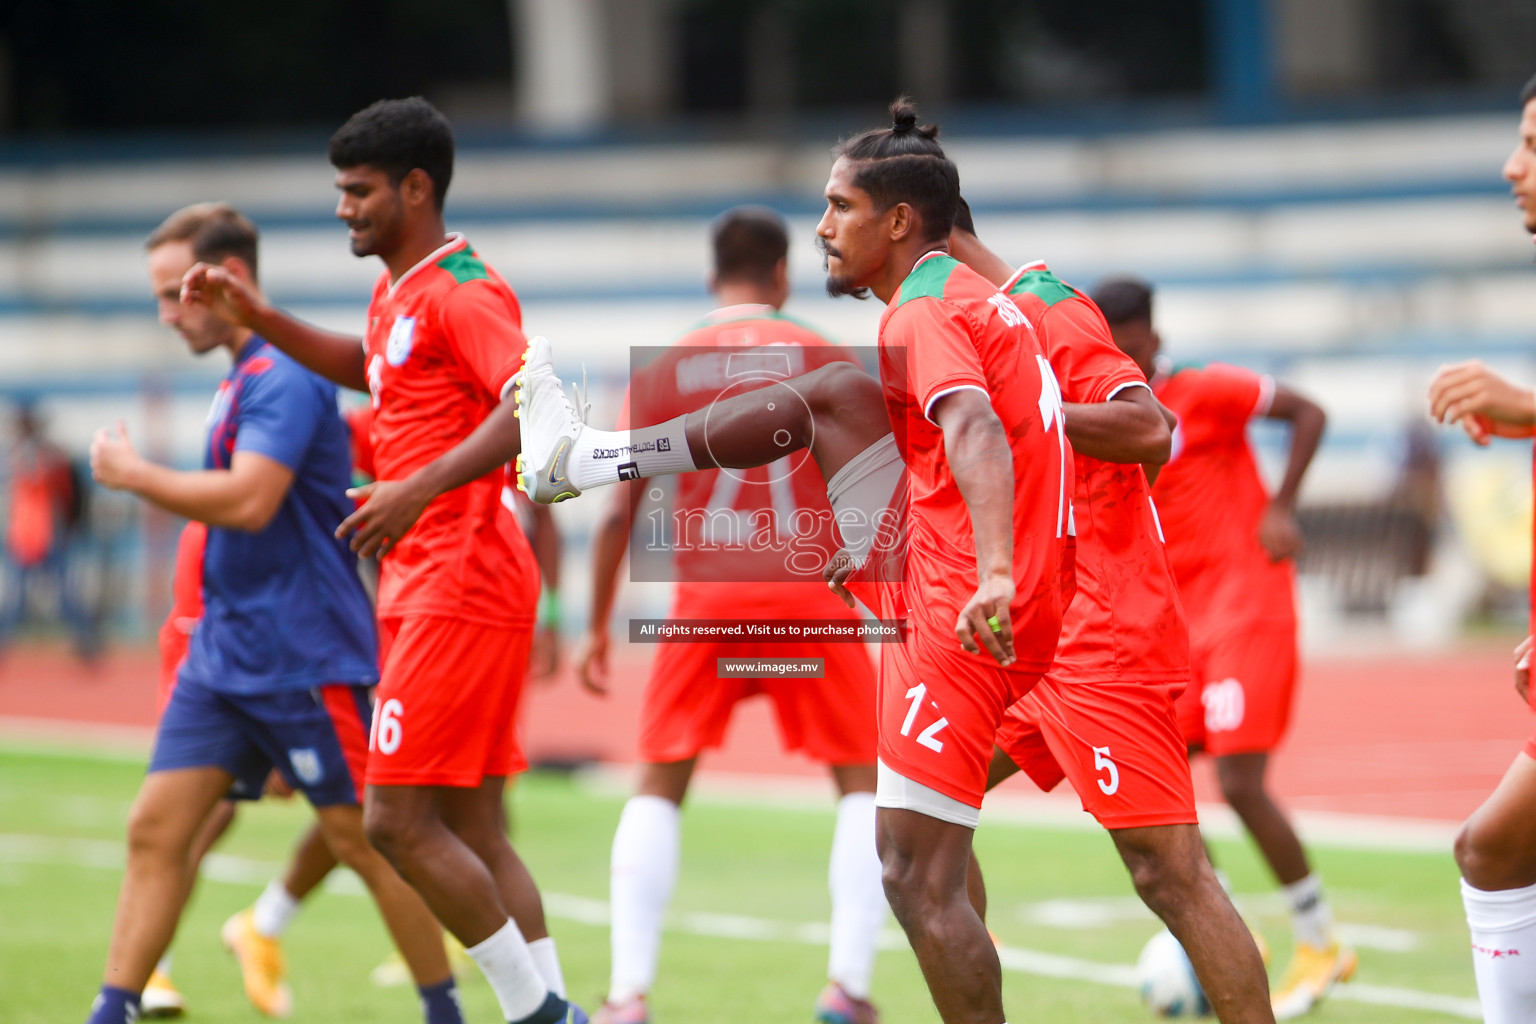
x,y
1404,735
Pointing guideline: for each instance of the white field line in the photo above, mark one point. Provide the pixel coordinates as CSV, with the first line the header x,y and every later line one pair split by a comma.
x,y
96,853
796,792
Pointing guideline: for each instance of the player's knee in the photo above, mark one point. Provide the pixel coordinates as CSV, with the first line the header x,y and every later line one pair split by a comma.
x,y
841,385
1478,856
1241,789
389,831
151,832
911,889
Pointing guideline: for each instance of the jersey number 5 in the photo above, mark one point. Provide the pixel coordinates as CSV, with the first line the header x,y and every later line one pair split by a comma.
x,y
1102,763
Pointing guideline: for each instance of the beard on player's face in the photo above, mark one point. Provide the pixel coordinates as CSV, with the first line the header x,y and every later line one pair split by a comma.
x,y
843,282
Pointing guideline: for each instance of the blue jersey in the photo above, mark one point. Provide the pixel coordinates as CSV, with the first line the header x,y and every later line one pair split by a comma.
x,y
284,608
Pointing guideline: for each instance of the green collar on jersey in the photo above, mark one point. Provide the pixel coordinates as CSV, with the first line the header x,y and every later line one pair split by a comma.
x,y
464,265
927,279
1042,283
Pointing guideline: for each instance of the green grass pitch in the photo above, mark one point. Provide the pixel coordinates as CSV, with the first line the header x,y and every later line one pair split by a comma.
x,y
743,940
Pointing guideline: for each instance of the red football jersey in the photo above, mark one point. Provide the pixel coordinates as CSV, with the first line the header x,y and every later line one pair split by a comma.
x,y
186,606
442,343
947,329
750,541
1211,500
1126,621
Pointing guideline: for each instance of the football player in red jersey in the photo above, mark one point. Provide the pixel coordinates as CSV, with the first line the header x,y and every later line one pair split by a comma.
x,y
1231,544
1104,715
457,596
1496,848
988,562
731,526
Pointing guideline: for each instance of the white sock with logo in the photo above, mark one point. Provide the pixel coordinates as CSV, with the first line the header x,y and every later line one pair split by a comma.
x,y
164,966
1311,920
1503,927
274,911
646,848
509,967
608,456
858,897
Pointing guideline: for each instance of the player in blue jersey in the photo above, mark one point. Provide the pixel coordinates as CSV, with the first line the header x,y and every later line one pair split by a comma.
x,y
278,670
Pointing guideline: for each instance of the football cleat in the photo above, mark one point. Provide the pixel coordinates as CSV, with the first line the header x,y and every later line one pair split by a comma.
x,y
1310,976
630,1011
835,1006
160,1000
261,965
550,424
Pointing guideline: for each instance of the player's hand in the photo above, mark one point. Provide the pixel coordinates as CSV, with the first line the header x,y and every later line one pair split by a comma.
x,y
973,629
836,572
114,462
1523,670
592,662
228,297
388,511
1279,533
1470,388
544,653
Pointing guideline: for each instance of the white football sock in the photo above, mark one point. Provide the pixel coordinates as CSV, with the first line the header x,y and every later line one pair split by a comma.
x,y
274,910
608,456
164,966
507,964
1311,920
1503,927
646,847
858,897
547,960
861,491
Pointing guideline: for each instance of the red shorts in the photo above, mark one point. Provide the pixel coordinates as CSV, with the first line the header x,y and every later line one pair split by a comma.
x,y
940,709
1244,683
446,707
687,708
1118,743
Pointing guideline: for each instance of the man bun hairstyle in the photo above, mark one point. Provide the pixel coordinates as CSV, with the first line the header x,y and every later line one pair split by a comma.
x,y
397,137
217,231
905,164
749,242
1123,300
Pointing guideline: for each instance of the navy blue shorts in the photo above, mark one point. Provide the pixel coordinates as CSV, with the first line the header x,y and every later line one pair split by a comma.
x,y
317,739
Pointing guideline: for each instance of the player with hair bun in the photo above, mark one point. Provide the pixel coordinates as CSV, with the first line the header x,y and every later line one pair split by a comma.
x,y
986,572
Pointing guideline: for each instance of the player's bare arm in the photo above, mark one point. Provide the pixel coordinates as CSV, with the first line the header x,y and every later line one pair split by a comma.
x,y
1523,670
610,539
337,357
1278,530
982,464
1484,403
391,507
1128,428
243,497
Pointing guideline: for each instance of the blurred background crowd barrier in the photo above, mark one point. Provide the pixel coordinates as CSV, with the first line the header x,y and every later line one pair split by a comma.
x,y
1313,185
